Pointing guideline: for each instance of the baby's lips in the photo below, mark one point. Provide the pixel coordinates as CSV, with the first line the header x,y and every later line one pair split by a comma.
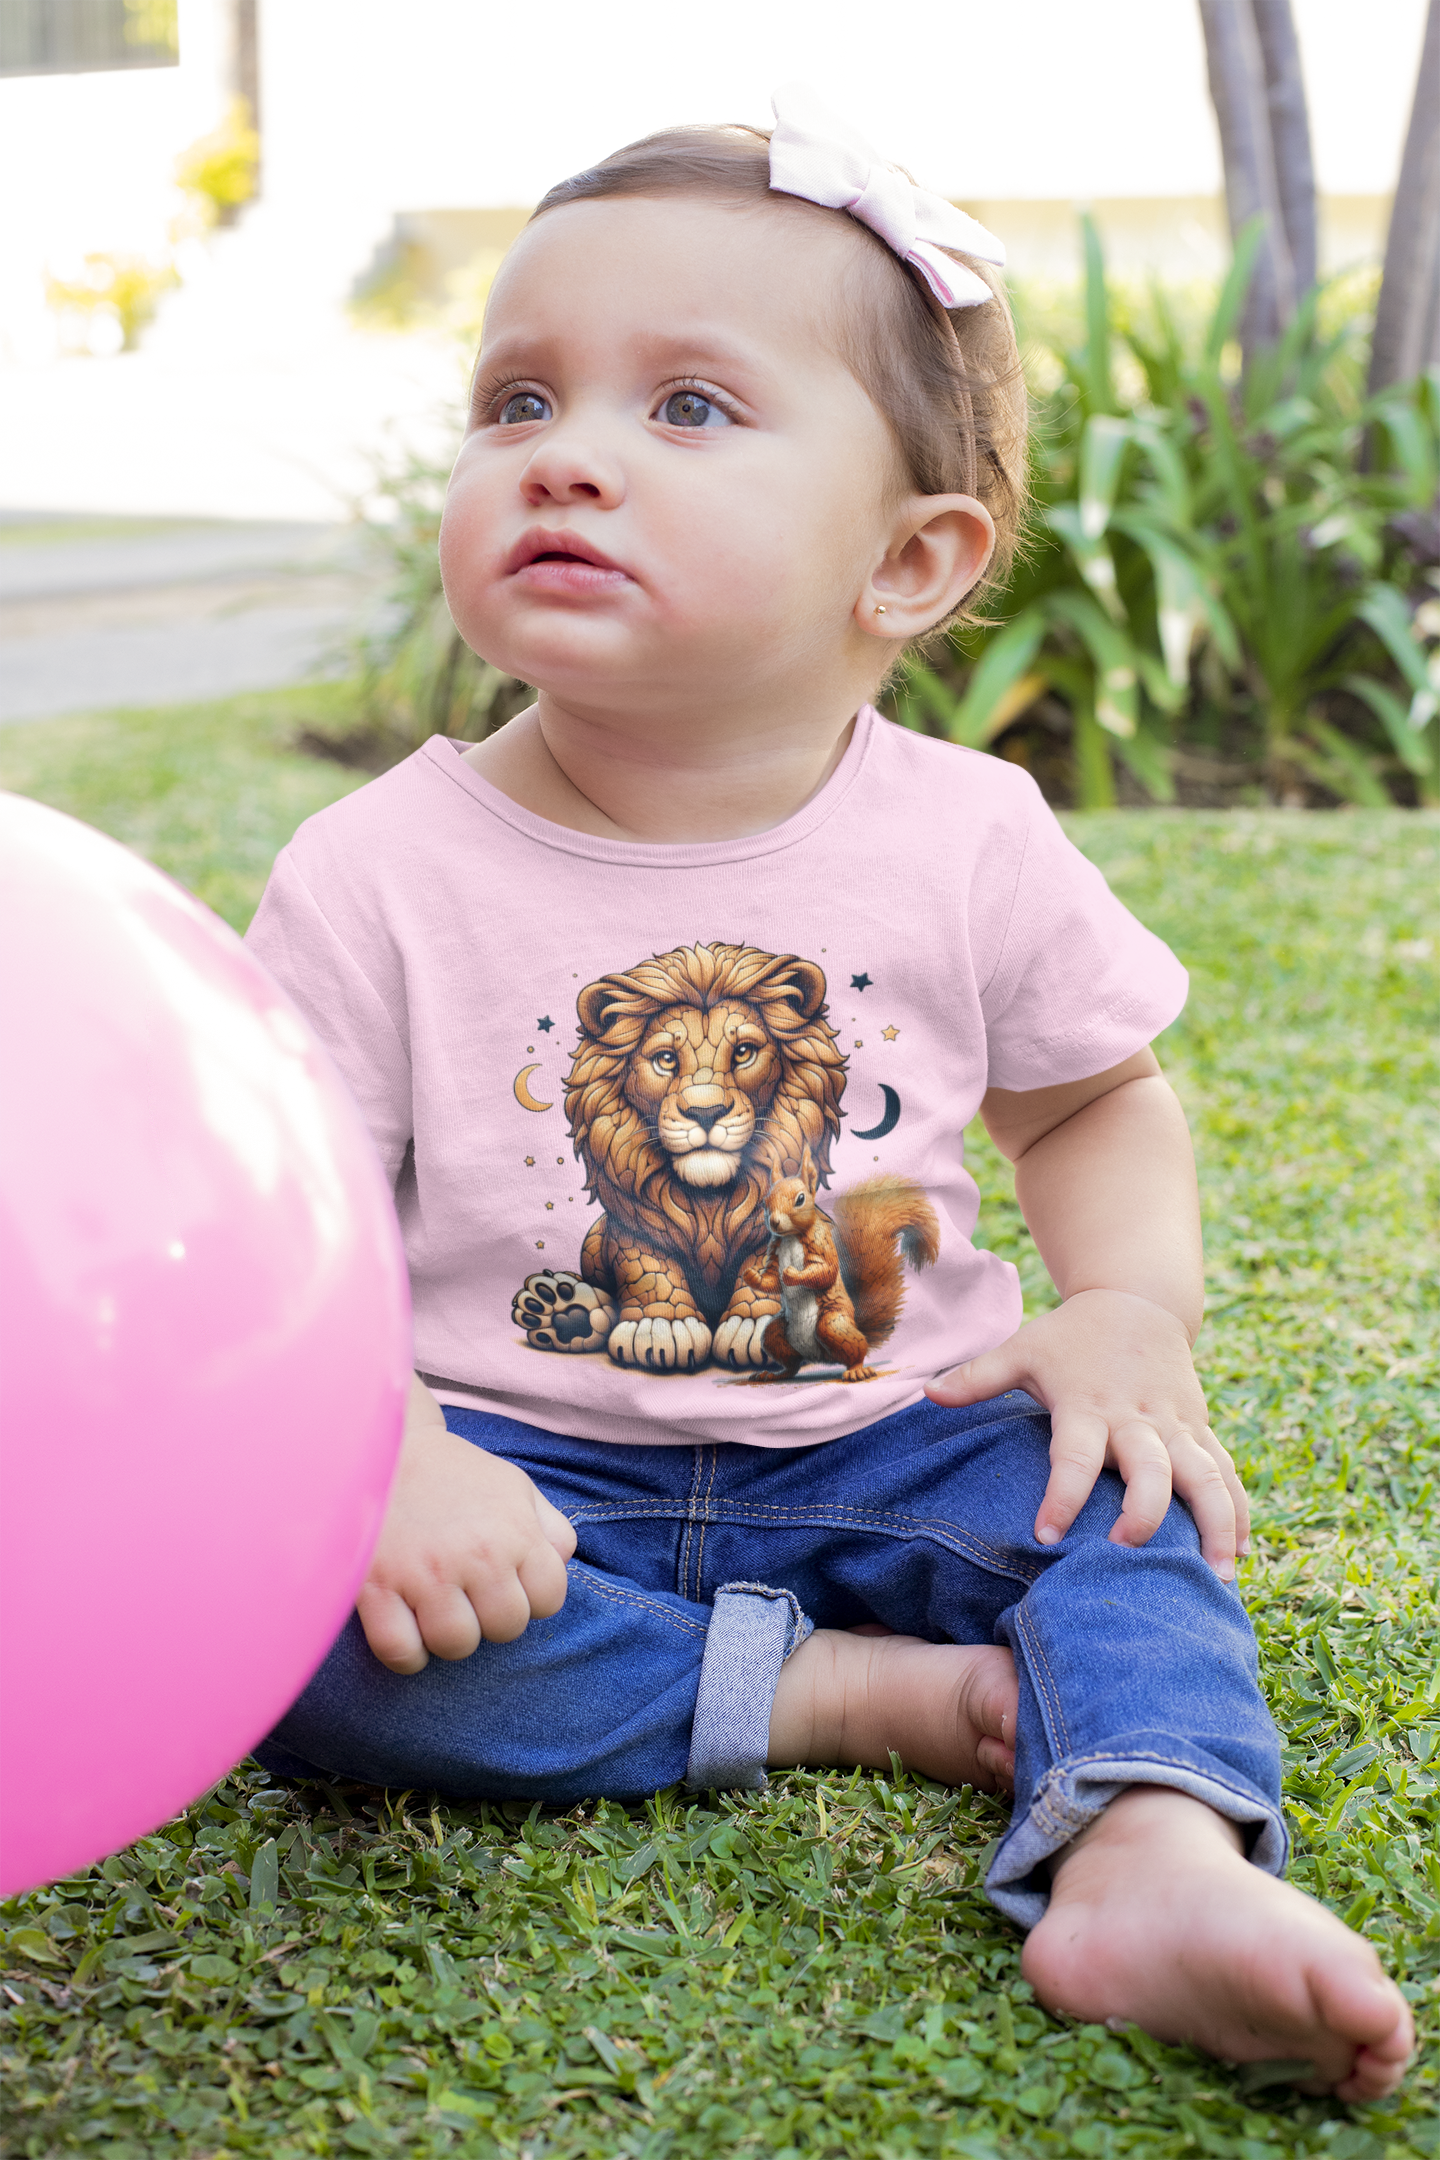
x,y
561,545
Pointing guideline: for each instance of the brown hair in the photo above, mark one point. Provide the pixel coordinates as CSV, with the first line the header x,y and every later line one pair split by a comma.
x,y
948,381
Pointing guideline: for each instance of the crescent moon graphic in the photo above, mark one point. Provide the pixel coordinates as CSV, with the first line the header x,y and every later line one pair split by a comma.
x,y
527,1101
887,1123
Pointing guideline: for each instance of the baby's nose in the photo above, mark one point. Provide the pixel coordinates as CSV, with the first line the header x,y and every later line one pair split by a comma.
x,y
570,466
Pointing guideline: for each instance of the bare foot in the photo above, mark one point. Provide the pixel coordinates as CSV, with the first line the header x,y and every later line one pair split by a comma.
x,y
947,1709
1157,1917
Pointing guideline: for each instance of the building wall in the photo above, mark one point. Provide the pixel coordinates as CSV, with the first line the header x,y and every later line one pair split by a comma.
x,y
372,110
87,166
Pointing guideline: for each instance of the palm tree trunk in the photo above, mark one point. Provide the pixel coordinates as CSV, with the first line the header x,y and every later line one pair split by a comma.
x,y
1236,64
1289,135
1407,318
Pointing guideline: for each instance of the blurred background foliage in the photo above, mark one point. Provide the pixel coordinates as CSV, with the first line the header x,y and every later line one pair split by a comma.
x,y
106,305
1230,594
1230,580
108,301
219,171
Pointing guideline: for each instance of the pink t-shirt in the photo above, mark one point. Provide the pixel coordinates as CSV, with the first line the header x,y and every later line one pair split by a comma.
x,y
585,1063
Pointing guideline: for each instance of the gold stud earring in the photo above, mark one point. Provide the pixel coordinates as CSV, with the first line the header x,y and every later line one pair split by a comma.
x,y
880,610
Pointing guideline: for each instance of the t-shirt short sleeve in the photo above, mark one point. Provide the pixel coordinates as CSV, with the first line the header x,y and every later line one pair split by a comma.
x,y
293,939
1079,985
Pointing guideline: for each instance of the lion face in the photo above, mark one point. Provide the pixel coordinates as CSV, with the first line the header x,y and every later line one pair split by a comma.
x,y
701,1076
702,1079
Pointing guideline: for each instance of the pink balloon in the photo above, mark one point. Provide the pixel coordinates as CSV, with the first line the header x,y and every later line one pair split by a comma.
x,y
206,1348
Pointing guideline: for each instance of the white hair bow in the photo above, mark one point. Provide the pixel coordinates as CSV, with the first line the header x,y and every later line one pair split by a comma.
x,y
814,155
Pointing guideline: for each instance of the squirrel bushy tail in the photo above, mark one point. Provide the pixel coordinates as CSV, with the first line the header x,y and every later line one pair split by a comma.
x,y
868,1219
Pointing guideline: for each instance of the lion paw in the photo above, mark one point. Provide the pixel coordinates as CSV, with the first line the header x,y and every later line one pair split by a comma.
x,y
740,1341
560,1312
661,1345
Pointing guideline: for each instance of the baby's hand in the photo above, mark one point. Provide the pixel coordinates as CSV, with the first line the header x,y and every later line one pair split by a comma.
x,y
470,1551
1115,1373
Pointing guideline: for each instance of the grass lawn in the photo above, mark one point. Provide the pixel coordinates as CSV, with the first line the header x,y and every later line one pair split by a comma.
x,y
815,1971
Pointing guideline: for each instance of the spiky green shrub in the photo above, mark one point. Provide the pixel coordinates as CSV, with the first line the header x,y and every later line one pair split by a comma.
x,y
1218,561
418,676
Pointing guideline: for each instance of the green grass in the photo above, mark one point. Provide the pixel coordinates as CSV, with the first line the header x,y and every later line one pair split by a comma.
x,y
815,1971
210,792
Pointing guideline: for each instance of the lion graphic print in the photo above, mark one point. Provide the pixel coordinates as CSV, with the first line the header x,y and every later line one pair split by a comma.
x,y
702,1100
704,1179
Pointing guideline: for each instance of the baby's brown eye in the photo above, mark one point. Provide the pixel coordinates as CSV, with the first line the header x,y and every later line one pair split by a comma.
x,y
525,405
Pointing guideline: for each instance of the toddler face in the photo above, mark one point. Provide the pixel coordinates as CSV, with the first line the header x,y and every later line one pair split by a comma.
x,y
670,485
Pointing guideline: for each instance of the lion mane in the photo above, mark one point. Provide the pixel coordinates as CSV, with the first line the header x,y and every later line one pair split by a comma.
x,y
627,1169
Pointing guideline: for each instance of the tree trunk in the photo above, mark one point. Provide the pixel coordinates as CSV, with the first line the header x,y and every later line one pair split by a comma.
x,y
245,62
1289,135
1237,85
1407,318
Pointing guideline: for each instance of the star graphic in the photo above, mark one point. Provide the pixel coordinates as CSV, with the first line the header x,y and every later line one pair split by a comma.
x,y
860,982
890,1033
545,1025
549,1206
529,1162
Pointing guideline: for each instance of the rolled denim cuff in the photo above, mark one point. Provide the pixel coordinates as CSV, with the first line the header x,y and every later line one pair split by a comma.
x,y
753,1629
1070,1796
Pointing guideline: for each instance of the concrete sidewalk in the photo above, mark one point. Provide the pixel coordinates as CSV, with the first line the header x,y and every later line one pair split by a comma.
x,y
102,612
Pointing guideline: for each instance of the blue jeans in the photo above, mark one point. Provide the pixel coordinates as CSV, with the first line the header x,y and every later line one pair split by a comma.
x,y
700,1569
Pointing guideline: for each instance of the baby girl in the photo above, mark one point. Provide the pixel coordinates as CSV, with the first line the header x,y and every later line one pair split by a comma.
x,y
667,1006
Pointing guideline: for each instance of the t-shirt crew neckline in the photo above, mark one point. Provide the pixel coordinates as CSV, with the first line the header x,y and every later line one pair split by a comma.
x,y
447,751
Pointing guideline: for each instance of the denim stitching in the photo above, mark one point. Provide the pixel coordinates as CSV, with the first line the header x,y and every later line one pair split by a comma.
x,y
691,1506
1056,1814
1043,1682
796,1514
632,1597
1046,1687
683,1585
1171,1762
704,1524
835,1517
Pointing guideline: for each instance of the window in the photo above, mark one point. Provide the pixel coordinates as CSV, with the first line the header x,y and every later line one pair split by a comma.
x,y
74,37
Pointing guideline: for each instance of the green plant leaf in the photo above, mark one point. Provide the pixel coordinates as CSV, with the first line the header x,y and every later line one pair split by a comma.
x,y
604,2047
1171,491
32,1945
1114,658
1102,453
1094,762
1415,748
1224,321
1410,433
1384,608
265,1877
1092,557
1151,761
1005,659
1099,387
1343,767
1180,594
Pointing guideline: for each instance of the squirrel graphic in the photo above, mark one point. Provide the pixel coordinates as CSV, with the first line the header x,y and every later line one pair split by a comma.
x,y
840,1278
